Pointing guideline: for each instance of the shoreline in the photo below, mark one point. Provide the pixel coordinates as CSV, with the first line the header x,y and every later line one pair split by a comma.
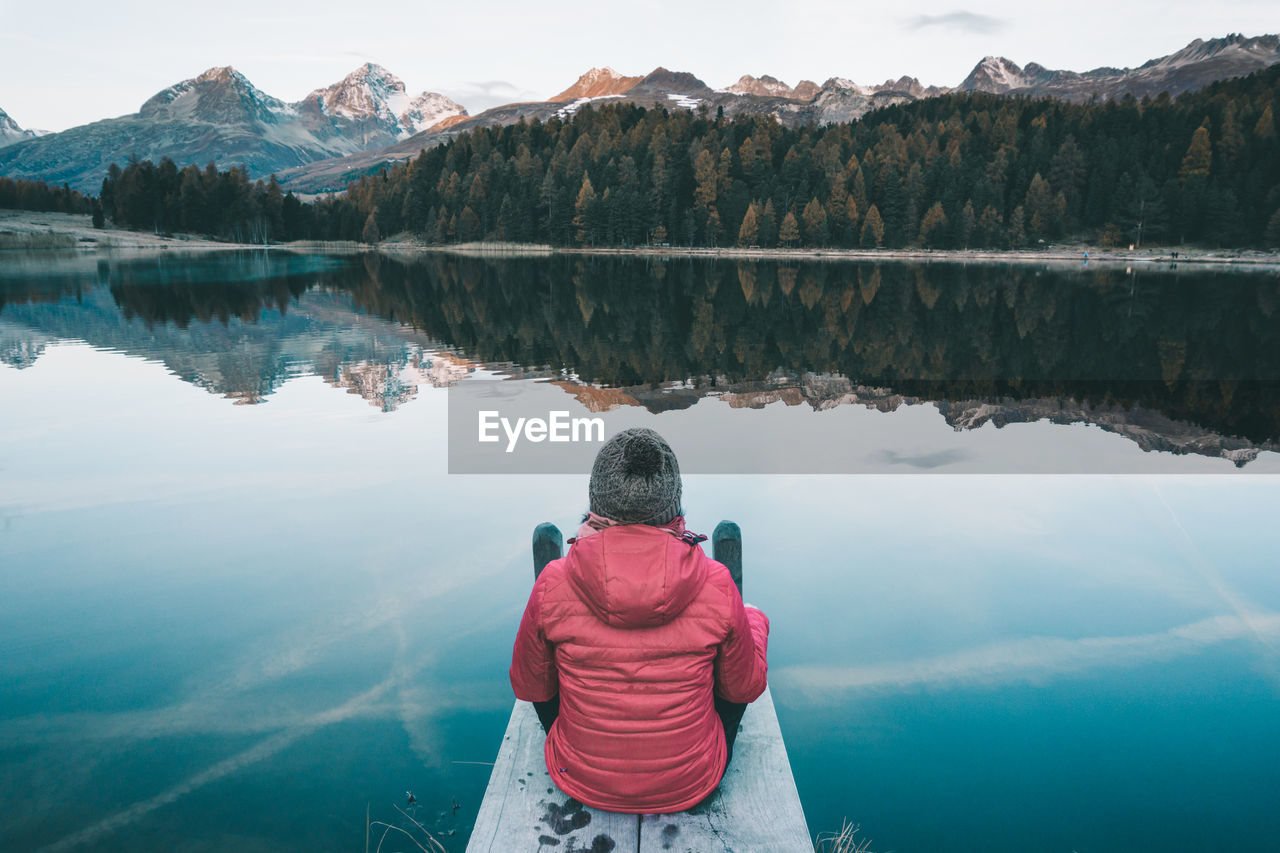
x,y
1254,259
75,232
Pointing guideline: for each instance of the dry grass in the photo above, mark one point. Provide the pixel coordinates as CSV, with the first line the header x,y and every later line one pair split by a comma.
x,y
843,841
432,845
36,240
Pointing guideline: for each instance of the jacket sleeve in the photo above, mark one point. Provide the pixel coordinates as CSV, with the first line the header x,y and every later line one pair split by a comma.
x,y
533,662
742,665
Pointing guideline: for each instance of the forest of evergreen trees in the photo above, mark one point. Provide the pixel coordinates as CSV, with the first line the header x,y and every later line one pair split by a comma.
x,y
962,170
224,205
39,196
957,171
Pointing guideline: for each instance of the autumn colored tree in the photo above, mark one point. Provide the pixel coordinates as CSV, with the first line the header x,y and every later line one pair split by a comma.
x,y
789,231
584,212
1199,156
933,227
749,233
370,233
872,229
815,224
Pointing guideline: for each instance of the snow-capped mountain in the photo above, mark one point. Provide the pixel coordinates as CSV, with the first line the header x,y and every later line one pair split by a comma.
x,y
11,133
368,119
1194,67
836,100
372,95
218,96
221,117
597,83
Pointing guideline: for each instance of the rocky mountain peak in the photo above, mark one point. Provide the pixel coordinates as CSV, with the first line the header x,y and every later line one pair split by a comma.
x,y
10,132
805,90
597,83
661,81
373,95
994,74
1265,48
763,86
222,74
220,95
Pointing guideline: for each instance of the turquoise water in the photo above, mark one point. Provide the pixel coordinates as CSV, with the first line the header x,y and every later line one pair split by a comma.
x,y
242,600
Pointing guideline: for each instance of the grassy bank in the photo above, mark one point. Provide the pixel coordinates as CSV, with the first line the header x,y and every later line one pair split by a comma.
x,y
22,230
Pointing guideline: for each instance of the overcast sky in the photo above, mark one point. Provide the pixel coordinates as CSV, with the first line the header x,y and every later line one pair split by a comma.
x,y
68,63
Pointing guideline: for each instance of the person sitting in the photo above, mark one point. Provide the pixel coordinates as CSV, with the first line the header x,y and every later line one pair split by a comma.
x,y
636,647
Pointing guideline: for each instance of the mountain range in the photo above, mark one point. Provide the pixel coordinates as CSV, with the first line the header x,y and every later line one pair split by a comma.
x,y
221,117
368,120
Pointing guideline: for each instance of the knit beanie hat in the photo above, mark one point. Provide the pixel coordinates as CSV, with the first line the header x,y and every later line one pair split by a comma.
x,y
635,479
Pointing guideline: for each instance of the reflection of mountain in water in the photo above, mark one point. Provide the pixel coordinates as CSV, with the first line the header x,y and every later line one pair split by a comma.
x,y
1149,429
237,329
1177,360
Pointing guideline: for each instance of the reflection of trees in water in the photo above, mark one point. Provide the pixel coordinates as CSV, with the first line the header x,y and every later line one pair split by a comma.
x,y
1196,346
1203,347
627,321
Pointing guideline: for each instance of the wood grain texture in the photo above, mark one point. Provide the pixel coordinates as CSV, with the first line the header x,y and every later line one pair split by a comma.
x,y
756,808
524,811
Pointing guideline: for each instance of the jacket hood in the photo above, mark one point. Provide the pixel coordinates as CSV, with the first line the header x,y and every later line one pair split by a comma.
x,y
634,575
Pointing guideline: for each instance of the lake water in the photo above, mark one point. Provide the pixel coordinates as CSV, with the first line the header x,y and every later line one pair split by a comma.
x,y
243,600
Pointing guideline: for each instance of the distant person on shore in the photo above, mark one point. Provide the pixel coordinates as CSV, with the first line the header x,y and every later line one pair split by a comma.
x,y
636,647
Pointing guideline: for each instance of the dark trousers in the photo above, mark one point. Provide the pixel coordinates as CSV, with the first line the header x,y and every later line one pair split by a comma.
x,y
730,714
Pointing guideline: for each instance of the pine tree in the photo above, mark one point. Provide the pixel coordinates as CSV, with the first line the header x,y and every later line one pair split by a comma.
x,y
583,212
768,226
1273,230
469,227
989,227
714,228
1040,209
370,234
1265,129
815,224
1199,156
789,232
968,221
749,233
933,226
705,178
1017,227
872,229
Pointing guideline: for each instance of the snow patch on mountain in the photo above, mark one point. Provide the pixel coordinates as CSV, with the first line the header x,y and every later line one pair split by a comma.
x,y
569,109
371,93
11,133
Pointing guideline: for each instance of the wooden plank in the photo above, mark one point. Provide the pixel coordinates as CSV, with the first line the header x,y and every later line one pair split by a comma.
x,y
757,808
524,811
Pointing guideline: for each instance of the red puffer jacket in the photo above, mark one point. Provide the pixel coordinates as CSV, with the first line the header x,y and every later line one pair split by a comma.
x,y
635,628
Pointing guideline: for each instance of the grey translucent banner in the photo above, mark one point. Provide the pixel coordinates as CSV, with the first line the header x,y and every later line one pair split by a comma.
x,y
824,425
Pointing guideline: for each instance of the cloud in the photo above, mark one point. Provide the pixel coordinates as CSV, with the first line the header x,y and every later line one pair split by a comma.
x,y
480,95
970,22
1032,660
937,459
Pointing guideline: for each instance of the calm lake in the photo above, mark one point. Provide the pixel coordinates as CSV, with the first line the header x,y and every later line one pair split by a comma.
x,y
1015,528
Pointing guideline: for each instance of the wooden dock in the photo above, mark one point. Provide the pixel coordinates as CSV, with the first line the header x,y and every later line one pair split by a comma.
x,y
756,807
